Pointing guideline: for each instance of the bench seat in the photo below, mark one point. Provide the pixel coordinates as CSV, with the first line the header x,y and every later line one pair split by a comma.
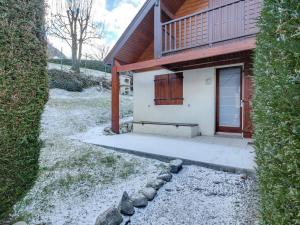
x,y
168,129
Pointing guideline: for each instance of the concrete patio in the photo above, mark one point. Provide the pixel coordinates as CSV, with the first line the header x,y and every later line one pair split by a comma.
x,y
232,154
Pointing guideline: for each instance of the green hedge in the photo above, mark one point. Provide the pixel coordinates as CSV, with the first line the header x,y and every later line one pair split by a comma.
x,y
277,112
89,64
75,82
23,94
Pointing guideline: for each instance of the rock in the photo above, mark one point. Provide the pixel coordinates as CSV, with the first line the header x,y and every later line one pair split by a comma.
x,y
21,223
108,131
179,189
126,206
112,216
211,193
124,130
168,189
156,184
176,165
149,193
127,221
139,200
217,182
198,189
237,183
126,127
244,176
165,177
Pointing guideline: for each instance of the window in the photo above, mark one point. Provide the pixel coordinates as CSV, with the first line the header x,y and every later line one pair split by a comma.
x,y
168,89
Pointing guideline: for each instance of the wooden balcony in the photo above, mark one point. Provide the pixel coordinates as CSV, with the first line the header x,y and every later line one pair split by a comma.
x,y
233,20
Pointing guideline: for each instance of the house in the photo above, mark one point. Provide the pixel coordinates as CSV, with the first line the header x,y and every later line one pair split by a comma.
x,y
192,67
125,84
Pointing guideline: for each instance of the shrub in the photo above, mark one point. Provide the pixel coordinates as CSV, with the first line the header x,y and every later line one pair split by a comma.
x,y
71,81
64,80
23,94
89,64
276,113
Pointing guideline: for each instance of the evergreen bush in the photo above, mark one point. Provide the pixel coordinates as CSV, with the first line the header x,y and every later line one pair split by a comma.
x,y
23,94
276,112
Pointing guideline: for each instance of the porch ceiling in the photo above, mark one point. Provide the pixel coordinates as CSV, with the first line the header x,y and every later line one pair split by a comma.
x,y
231,58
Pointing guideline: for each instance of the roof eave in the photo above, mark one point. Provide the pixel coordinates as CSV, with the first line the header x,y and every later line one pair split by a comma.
x,y
129,30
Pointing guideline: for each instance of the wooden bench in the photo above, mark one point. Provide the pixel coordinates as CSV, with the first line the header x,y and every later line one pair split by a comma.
x,y
166,128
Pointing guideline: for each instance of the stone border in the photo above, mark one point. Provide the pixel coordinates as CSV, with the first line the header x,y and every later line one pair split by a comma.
x,y
113,216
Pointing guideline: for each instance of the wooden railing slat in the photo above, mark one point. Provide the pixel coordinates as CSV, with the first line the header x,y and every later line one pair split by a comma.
x,y
175,35
185,32
180,39
223,21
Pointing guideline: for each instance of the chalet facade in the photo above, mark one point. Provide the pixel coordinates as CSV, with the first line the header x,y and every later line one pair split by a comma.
x,y
192,66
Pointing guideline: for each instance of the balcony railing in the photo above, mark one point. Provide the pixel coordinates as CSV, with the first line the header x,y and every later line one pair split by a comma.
x,y
235,19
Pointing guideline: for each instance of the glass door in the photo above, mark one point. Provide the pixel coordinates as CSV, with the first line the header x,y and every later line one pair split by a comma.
x,y
229,100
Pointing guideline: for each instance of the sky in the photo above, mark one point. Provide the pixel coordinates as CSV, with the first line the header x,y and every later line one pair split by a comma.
x,y
115,14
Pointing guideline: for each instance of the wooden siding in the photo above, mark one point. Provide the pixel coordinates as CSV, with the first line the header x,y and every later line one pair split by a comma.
x,y
252,14
190,7
173,5
138,42
148,53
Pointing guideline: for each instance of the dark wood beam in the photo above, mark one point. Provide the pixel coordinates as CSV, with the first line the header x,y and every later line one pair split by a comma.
x,y
157,30
115,101
237,46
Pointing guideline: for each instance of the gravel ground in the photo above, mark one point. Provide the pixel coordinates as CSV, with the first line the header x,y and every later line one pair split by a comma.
x,y
199,196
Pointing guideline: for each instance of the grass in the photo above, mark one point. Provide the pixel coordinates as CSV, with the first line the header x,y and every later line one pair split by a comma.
x,y
71,172
107,167
78,174
128,169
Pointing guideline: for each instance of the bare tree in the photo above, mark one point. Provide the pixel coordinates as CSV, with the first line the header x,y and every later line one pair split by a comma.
x,y
73,23
99,51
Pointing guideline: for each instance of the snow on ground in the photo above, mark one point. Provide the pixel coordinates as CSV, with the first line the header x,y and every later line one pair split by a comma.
x,y
89,72
200,196
78,181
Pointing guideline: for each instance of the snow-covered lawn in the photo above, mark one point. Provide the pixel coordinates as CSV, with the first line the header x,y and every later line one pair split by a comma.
x,y
78,181
89,72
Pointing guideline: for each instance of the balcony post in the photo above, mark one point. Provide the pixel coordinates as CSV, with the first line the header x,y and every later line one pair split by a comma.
x,y
157,30
115,103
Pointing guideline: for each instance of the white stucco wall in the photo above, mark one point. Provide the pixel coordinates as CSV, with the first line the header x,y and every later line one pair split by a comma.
x,y
199,90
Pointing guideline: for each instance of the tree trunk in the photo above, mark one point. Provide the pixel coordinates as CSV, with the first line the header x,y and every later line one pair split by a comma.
x,y
75,64
79,51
